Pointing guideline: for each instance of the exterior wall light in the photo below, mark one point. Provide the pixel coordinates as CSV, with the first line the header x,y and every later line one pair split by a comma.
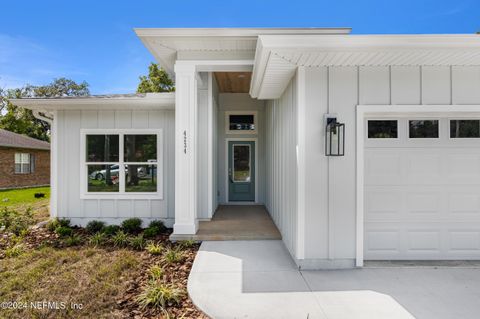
x,y
334,136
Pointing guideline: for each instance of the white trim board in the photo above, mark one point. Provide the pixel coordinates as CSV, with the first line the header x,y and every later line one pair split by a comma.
x,y
393,111
241,139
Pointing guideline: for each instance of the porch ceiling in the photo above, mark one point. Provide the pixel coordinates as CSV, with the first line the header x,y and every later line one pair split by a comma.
x,y
233,82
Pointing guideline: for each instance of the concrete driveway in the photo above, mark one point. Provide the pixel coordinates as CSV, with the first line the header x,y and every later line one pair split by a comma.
x,y
258,279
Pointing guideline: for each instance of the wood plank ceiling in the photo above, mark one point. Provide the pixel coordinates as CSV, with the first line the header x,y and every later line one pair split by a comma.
x,y
233,82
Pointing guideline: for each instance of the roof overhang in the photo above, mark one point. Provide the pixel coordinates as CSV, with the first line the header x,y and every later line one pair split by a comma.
x,y
148,101
278,56
170,44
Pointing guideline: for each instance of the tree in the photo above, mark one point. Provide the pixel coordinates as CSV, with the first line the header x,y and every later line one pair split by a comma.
x,y
157,81
19,120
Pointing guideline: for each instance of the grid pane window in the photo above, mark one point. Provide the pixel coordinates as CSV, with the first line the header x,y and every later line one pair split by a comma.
x,y
121,163
23,163
102,148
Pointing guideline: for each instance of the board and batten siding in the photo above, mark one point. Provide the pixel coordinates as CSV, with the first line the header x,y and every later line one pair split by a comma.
x,y
330,208
112,211
281,164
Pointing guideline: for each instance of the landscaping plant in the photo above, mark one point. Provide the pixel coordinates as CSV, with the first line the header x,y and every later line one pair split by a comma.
x,y
132,225
95,226
154,249
64,231
137,242
98,239
111,230
174,255
158,294
158,224
120,239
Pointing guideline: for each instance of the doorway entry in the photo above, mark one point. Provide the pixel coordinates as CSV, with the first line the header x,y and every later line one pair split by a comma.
x,y
241,171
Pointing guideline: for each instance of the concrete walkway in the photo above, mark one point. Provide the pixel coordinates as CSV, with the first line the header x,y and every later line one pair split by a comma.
x,y
258,279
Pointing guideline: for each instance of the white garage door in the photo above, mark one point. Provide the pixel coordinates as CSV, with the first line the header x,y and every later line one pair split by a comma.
x,y
422,188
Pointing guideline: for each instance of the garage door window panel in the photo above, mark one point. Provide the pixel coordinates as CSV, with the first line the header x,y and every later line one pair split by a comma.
x,y
464,128
423,129
382,129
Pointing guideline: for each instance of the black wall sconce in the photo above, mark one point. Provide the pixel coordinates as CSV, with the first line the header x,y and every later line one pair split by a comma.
x,y
334,136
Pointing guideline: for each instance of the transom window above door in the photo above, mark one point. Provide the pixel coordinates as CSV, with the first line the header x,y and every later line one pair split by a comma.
x,y
241,122
122,163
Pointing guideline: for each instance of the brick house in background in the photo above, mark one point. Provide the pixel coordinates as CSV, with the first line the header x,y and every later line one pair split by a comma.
x,y
24,161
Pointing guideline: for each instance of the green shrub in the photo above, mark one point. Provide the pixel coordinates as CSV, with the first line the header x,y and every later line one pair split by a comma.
x,y
157,295
120,239
151,232
73,240
159,224
174,255
63,231
154,249
95,226
98,239
53,224
132,225
15,250
14,221
156,272
64,222
111,230
137,242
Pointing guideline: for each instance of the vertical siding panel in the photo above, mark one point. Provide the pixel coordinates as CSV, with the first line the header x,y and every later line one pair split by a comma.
x,y
140,119
406,85
466,85
436,85
343,98
106,119
123,119
72,163
375,85
280,161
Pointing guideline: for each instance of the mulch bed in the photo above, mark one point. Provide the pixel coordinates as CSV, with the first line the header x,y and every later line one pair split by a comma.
x,y
127,305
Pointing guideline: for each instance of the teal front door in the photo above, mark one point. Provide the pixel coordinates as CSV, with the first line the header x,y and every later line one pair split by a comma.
x,y
241,171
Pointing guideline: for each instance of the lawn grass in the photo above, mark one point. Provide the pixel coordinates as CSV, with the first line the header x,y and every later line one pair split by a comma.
x,y
20,197
90,277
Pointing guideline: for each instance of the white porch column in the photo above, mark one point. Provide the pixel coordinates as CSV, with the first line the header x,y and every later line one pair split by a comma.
x,y
185,149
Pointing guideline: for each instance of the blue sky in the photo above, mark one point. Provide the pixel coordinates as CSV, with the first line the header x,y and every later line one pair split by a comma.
x,y
94,40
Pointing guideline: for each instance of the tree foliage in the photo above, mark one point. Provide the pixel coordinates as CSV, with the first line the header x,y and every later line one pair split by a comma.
x,y
157,81
19,120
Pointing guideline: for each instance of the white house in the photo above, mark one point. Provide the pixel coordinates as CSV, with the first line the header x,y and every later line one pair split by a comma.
x,y
248,124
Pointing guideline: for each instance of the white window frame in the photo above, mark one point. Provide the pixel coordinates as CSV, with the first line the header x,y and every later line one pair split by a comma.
x,y
241,132
22,162
121,194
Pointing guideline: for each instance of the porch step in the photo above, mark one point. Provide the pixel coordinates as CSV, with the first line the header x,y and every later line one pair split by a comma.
x,y
235,223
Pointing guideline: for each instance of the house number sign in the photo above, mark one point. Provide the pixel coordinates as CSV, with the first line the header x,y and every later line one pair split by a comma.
x,y
185,142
